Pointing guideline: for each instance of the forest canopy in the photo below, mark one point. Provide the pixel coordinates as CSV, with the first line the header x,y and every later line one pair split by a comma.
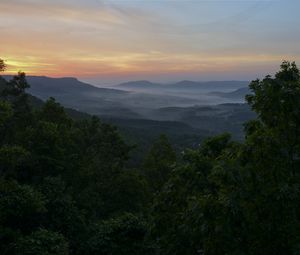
x,y
66,186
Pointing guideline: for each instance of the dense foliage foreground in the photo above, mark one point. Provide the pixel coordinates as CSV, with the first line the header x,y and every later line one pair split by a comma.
x,y
65,186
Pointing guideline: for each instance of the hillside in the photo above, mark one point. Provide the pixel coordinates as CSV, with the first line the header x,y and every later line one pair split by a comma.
x,y
214,119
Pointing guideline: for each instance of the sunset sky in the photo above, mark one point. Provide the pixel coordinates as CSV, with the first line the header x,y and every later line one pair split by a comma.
x,y
159,40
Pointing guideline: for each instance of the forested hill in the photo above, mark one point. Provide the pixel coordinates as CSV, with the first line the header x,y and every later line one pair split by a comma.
x,y
66,187
46,86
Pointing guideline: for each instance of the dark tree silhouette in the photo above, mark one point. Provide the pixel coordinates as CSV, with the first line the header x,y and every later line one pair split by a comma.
x,y
2,65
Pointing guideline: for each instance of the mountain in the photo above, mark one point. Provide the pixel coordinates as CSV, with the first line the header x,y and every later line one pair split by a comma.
x,y
186,86
78,95
155,104
37,103
46,85
84,97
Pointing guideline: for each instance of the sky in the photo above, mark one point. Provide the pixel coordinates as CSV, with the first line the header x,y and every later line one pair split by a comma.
x,y
111,41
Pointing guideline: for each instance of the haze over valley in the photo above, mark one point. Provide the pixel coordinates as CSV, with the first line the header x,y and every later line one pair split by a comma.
x,y
138,96
213,107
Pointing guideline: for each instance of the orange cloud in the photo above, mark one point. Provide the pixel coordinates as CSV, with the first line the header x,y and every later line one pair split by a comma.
x,y
133,63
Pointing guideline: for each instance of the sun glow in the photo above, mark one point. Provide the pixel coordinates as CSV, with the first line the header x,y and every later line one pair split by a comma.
x,y
143,63
89,39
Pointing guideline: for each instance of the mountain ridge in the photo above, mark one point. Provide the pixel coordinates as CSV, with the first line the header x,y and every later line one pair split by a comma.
x,y
183,85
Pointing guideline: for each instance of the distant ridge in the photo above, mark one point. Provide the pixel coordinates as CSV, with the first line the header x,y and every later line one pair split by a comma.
x,y
43,85
183,85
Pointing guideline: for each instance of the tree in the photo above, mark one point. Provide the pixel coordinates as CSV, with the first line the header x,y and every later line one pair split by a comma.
x,y
63,216
123,235
15,93
128,193
271,160
53,112
51,142
12,161
20,205
60,178
233,198
158,163
187,210
2,65
20,210
5,112
103,154
42,242
277,103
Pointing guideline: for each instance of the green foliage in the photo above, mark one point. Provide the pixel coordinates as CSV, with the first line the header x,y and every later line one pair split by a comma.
x,y
159,162
121,235
63,214
123,196
271,160
240,198
214,146
19,204
65,186
20,209
60,177
49,157
53,112
188,203
42,242
5,112
101,164
12,160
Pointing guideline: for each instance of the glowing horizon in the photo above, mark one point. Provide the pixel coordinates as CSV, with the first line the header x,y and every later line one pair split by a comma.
x,y
166,40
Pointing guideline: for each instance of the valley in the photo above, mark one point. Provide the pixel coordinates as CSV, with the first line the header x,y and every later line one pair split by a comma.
x,y
187,112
